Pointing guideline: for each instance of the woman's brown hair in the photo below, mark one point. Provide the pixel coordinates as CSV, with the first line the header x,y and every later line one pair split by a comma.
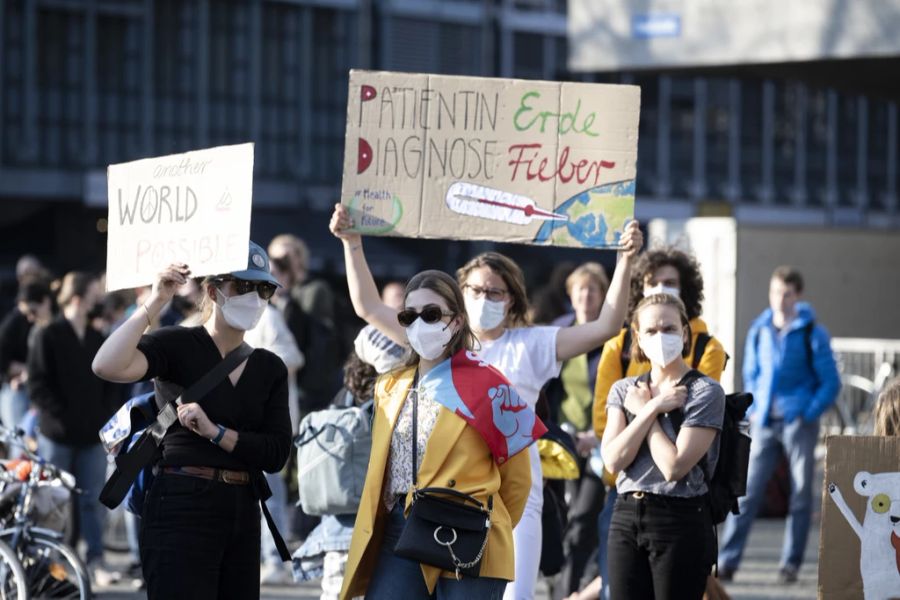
x,y
659,300
444,286
887,410
359,378
74,284
511,274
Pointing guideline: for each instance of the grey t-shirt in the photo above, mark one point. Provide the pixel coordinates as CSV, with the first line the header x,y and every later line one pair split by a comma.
x,y
705,407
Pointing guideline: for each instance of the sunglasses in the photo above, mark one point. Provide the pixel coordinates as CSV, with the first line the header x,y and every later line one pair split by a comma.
x,y
241,286
430,313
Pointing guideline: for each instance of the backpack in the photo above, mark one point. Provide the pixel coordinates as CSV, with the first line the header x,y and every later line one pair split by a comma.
x,y
121,433
703,339
333,447
729,480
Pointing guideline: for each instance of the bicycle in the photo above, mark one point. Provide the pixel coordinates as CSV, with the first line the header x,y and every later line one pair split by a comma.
x,y
52,569
13,582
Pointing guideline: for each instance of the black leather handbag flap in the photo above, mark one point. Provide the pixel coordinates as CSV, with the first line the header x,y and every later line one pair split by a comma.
x,y
437,510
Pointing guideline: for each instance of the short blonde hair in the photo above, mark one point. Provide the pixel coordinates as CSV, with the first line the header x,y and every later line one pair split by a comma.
x,y
588,270
887,410
637,354
296,248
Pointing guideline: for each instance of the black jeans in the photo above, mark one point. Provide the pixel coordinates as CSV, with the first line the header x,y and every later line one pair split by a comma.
x,y
660,548
588,494
200,539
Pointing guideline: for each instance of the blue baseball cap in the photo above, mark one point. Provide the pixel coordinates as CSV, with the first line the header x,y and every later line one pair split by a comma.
x,y
257,266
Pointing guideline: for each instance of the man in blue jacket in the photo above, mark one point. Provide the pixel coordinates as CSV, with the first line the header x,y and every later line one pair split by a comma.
x,y
790,370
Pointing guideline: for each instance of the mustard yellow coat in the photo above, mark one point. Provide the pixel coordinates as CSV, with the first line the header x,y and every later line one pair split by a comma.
x,y
456,456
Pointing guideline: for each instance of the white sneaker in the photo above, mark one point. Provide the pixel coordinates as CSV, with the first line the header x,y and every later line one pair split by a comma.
x,y
103,575
274,574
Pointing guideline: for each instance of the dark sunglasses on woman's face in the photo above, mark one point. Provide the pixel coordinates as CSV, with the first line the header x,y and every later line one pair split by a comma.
x,y
241,286
430,313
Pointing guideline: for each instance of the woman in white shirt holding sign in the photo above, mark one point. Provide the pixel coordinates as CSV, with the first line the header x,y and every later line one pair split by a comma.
x,y
497,307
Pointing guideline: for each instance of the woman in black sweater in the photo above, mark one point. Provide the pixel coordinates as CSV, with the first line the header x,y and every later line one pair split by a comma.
x,y
72,402
200,534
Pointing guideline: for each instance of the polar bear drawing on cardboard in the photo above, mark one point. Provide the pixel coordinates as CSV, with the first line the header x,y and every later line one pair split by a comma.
x,y
879,533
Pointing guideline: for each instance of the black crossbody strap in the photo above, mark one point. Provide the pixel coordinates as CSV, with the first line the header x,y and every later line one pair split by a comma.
x,y
168,414
145,449
205,384
415,432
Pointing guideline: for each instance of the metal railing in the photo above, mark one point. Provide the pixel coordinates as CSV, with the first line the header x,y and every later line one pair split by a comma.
x,y
865,366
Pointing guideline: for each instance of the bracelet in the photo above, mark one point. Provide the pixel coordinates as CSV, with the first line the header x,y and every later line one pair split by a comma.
x,y
147,314
219,435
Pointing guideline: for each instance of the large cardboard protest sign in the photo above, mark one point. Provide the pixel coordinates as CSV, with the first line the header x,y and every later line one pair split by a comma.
x,y
859,546
192,208
475,158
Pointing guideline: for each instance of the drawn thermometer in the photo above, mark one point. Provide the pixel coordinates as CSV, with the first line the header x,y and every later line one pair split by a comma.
x,y
487,203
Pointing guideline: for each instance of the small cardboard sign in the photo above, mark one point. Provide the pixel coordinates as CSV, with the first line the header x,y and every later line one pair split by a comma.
x,y
534,162
191,208
859,544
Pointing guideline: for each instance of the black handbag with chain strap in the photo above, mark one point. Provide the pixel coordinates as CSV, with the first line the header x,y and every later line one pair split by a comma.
x,y
445,528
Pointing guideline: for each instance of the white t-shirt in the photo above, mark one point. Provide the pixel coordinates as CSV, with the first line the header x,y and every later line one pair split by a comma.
x,y
527,357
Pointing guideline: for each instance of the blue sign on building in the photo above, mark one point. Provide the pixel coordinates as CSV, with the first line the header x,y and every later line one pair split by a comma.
x,y
655,25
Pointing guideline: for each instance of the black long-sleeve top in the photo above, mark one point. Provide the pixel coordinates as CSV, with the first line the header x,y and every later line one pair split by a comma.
x,y
256,407
14,331
72,402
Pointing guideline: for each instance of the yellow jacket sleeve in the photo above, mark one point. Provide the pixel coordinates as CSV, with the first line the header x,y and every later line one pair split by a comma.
x,y
712,363
609,371
515,484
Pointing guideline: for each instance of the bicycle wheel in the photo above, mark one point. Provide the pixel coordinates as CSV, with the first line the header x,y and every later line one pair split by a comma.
x,y
53,569
13,585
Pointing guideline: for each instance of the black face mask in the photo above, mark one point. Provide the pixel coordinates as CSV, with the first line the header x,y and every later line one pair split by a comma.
x,y
95,312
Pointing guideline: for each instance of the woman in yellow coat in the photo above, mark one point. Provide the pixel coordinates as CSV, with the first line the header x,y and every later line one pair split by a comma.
x,y
452,453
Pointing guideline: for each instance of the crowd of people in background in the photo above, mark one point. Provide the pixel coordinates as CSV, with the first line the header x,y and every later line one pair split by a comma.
x,y
601,359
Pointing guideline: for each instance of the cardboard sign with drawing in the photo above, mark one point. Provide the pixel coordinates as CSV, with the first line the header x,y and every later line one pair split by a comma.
x,y
192,208
534,162
862,477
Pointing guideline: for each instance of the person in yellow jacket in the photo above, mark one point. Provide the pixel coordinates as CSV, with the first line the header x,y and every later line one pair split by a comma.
x,y
661,270
451,452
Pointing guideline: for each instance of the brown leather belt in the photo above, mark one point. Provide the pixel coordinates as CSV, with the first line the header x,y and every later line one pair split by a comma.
x,y
223,475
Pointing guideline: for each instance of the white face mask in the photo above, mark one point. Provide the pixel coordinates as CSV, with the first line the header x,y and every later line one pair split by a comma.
x,y
485,314
661,289
241,312
662,348
429,340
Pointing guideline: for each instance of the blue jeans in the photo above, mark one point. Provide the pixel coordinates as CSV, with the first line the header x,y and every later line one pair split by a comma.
x,y
798,439
88,465
13,405
603,524
397,577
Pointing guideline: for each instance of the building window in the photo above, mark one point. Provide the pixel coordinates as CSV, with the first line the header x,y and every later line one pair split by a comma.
x,y
60,81
175,76
119,83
